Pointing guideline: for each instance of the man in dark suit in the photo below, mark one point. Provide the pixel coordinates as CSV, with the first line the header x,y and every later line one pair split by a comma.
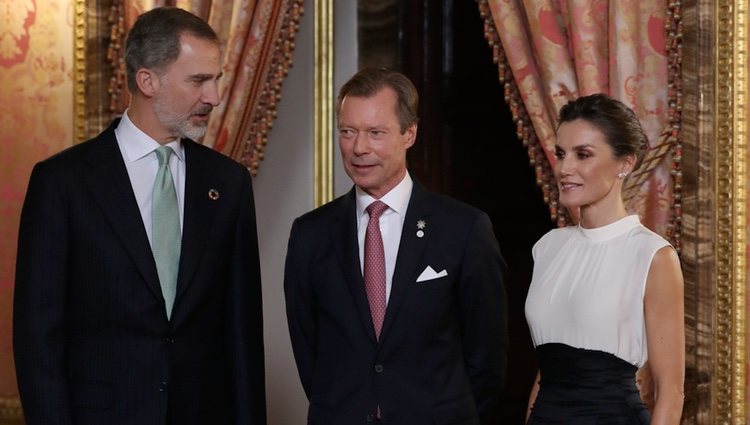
x,y
137,295
395,297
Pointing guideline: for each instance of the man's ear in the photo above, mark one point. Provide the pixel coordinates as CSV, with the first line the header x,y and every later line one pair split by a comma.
x,y
147,81
411,135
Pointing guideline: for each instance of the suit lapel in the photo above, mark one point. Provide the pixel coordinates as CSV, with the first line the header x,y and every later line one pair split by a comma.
x,y
113,191
347,247
198,216
409,252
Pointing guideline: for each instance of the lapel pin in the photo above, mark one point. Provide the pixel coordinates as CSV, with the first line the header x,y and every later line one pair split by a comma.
x,y
213,194
421,225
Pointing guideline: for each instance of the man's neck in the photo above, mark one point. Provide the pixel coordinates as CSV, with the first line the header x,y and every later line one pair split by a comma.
x,y
141,114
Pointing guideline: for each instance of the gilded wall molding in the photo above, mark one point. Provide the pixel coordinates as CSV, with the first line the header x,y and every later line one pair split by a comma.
x,y
323,100
79,71
731,203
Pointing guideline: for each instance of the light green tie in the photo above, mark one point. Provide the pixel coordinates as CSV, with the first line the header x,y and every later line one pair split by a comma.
x,y
166,235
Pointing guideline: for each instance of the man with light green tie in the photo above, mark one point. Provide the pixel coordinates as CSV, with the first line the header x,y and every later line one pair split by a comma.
x,y
137,294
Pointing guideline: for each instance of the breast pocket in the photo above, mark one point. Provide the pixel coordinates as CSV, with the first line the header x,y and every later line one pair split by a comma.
x,y
438,284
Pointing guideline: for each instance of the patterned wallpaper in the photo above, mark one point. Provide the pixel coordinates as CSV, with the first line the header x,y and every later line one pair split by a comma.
x,y
36,121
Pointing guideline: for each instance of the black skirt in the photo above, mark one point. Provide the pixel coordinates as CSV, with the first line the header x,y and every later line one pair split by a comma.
x,y
586,387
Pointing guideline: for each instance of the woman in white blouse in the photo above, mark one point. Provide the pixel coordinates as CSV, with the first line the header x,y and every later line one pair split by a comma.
x,y
606,295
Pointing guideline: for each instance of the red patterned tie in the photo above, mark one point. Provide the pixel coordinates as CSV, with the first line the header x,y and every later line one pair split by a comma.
x,y
375,266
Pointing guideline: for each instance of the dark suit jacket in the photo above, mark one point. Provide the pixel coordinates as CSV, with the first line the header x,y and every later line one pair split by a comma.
x,y
442,350
91,338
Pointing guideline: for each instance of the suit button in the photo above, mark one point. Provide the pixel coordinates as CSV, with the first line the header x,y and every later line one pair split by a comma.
x,y
370,418
378,368
163,387
170,340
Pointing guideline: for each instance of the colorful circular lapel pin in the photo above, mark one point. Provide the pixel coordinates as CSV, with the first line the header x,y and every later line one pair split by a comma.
x,y
213,194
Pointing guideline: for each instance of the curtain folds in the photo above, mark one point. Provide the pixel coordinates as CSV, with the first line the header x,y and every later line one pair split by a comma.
x,y
551,51
257,39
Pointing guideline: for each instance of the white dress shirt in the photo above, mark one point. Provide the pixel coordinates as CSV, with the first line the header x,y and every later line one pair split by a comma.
x,y
138,152
391,224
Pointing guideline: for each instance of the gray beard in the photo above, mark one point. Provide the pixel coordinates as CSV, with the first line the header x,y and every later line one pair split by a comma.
x,y
186,130
179,126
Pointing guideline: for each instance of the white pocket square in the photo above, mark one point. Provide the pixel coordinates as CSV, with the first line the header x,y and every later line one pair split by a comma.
x,y
429,274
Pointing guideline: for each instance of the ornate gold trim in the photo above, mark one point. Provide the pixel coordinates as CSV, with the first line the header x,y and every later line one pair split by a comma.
x,y
323,95
731,203
524,128
284,18
79,71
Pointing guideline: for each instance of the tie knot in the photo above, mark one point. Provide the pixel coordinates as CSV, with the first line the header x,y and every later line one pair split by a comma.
x,y
162,154
376,209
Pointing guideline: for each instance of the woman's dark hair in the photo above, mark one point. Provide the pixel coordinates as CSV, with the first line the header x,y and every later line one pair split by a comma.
x,y
619,124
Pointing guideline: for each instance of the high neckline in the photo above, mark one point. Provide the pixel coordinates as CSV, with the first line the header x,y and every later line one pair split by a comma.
x,y
610,230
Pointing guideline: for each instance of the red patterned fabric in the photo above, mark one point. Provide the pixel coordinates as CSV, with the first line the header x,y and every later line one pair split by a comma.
x,y
558,50
259,39
374,267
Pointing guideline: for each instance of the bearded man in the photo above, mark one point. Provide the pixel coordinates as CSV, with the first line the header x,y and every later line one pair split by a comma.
x,y
137,295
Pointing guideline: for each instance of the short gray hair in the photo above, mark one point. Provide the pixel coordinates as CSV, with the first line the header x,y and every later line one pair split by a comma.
x,y
369,81
154,40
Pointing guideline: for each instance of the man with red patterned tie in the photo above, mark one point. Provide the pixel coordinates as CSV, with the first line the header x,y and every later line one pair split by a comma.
x,y
395,296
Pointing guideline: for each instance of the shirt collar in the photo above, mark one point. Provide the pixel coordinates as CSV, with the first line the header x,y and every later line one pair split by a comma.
x,y
397,199
136,144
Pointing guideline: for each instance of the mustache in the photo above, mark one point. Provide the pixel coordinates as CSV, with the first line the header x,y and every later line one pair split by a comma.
x,y
203,110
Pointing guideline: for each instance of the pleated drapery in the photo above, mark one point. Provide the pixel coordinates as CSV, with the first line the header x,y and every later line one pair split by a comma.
x,y
551,51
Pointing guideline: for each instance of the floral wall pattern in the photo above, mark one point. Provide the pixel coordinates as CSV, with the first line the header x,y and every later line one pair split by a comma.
x,y
36,116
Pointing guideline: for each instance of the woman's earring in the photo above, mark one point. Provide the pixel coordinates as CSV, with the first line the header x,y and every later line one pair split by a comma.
x,y
622,174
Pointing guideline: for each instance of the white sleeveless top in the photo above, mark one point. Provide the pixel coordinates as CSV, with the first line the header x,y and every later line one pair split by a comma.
x,y
588,286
